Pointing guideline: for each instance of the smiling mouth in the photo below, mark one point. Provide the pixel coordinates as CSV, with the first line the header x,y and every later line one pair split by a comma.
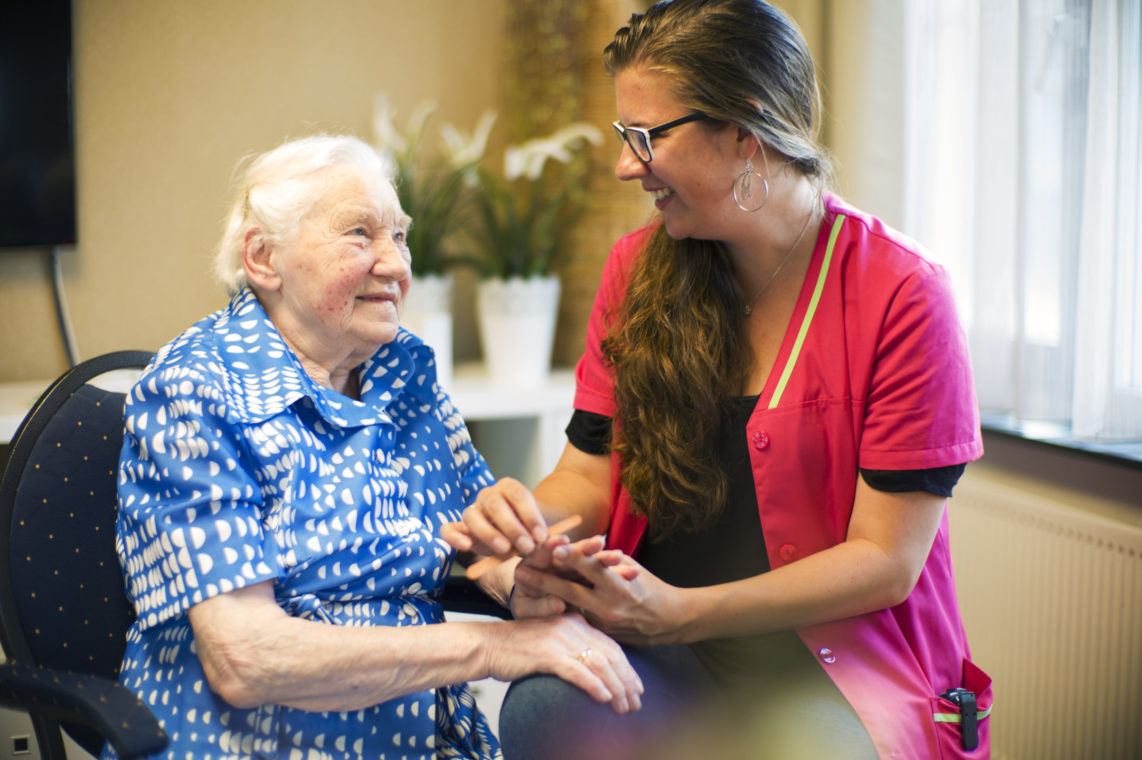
x,y
662,193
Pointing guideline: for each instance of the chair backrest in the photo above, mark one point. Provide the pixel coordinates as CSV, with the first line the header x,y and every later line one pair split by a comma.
x,y
62,601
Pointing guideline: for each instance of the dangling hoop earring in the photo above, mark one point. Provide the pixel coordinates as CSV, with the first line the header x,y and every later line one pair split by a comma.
x,y
743,186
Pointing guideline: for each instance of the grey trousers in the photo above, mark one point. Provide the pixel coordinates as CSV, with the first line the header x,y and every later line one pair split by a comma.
x,y
685,715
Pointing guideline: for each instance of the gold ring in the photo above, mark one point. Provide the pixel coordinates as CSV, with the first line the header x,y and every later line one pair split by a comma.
x,y
584,655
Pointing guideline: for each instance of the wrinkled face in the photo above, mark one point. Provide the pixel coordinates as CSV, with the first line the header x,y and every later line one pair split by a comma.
x,y
345,275
692,174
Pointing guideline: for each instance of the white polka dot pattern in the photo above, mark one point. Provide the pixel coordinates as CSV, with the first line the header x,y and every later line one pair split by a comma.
x,y
237,469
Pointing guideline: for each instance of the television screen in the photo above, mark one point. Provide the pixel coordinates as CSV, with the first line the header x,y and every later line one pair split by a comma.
x,y
37,162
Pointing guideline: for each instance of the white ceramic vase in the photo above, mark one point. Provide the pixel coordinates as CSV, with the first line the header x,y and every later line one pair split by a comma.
x,y
517,328
428,315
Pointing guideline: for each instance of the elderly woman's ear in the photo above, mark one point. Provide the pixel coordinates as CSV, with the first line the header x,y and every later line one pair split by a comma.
x,y
258,261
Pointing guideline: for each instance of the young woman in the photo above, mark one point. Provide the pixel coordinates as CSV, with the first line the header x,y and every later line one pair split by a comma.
x,y
773,407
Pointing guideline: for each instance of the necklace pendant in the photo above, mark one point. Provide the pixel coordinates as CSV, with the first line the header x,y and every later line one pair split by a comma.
x,y
748,310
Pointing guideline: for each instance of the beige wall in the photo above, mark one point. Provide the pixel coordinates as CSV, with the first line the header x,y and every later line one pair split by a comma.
x,y
169,95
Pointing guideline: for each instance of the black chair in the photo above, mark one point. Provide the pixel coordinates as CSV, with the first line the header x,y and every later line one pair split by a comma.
x,y
63,611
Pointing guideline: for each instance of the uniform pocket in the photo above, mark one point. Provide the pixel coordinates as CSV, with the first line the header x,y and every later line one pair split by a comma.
x,y
949,721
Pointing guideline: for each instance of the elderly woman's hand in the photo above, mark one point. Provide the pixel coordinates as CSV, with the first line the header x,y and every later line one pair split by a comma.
x,y
569,647
504,519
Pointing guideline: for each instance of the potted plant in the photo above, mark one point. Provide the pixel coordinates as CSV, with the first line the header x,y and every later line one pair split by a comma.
x,y
517,224
434,191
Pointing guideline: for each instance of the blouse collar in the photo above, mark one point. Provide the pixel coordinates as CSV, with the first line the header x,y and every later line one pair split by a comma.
x,y
273,378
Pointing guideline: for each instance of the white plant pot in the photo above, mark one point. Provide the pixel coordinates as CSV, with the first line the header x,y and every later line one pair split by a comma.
x,y
517,328
428,315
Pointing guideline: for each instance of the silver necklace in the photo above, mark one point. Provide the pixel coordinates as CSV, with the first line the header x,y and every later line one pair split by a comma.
x,y
749,305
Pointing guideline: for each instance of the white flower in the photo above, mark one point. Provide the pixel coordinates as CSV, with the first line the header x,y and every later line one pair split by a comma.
x,y
529,158
418,118
462,150
387,139
385,133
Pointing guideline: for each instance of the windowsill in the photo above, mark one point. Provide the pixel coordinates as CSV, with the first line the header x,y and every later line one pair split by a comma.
x,y
1124,453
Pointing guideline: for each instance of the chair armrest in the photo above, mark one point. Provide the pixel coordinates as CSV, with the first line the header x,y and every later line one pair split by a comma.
x,y
101,704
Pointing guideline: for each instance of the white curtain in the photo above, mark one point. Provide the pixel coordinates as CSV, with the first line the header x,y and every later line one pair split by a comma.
x,y
1024,119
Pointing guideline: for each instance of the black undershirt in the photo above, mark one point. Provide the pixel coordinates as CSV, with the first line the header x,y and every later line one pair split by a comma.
x,y
591,433
731,547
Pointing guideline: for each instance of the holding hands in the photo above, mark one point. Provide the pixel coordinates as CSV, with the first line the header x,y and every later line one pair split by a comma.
x,y
609,589
503,522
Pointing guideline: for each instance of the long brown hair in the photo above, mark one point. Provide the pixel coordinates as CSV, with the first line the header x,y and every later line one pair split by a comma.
x,y
678,356
677,346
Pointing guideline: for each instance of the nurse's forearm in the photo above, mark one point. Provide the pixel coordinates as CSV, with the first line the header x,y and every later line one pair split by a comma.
x,y
579,485
889,539
849,579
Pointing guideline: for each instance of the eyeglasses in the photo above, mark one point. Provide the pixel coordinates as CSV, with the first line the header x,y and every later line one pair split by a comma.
x,y
639,139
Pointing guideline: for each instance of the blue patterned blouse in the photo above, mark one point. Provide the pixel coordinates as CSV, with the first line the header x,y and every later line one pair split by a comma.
x,y
236,469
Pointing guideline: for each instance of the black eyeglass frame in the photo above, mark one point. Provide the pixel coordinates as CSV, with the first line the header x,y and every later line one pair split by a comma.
x,y
648,134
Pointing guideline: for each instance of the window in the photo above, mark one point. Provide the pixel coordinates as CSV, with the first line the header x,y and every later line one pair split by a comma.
x,y
1025,178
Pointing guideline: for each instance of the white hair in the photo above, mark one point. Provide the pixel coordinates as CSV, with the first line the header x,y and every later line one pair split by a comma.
x,y
275,190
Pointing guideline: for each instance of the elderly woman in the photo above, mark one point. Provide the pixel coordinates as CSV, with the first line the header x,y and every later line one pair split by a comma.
x,y
288,464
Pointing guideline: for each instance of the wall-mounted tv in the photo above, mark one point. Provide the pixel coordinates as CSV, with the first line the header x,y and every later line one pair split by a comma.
x,y
37,158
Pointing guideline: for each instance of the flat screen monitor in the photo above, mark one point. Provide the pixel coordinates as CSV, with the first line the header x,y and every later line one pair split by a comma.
x,y
37,157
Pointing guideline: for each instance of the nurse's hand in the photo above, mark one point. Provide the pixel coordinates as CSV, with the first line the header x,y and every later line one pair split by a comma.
x,y
529,600
612,591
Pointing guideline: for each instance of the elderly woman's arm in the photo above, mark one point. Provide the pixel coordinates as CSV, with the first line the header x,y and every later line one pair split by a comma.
x,y
253,653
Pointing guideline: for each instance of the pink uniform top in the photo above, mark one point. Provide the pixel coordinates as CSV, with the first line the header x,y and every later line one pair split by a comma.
x,y
873,372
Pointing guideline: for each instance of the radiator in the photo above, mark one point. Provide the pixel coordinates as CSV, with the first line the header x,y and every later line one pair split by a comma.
x,y
1052,601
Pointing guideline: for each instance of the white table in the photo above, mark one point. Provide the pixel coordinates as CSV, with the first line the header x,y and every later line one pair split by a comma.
x,y
16,401
518,430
